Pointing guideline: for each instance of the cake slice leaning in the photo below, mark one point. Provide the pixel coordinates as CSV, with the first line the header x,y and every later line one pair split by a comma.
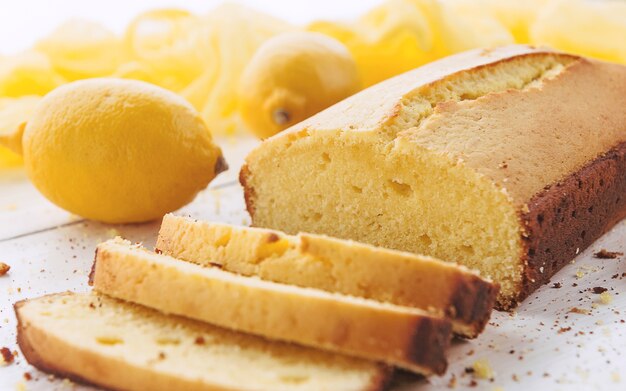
x,y
335,265
117,345
405,337
509,161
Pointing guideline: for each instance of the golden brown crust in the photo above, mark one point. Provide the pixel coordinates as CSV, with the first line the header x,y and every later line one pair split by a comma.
x,y
547,134
431,351
379,104
568,216
382,380
248,191
472,302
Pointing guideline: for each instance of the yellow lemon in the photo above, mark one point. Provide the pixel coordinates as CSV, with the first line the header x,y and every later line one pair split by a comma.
x,y
229,36
28,73
164,39
80,49
118,151
390,39
293,76
591,28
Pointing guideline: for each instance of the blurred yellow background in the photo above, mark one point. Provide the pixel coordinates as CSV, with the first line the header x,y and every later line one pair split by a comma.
x,y
201,49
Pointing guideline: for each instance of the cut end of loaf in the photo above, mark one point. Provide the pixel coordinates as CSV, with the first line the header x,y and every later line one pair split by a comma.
x,y
388,196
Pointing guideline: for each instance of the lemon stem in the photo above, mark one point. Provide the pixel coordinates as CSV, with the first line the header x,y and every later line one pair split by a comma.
x,y
281,116
13,141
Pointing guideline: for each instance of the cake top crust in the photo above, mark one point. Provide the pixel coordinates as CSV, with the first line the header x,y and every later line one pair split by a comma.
x,y
523,117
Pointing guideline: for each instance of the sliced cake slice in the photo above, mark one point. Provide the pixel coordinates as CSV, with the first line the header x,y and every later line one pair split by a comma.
x,y
335,265
406,337
123,346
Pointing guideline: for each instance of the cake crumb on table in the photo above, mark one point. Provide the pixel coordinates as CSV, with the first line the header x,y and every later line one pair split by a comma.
x,y
4,268
482,369
577,310
6,355
606,298
604,254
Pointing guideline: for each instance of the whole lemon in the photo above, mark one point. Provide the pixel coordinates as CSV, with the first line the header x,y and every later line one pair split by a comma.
x,y
118,151
293,76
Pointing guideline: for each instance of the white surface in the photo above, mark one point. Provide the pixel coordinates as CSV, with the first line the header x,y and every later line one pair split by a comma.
x,y
23,22
590,355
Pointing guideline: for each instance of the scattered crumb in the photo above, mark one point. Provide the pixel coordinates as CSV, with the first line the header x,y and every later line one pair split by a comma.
x,y
473,383
580,274
598,289
112,233
557,285
158,251
27,376
199,340
7,356
576,310
584,374
482,369
4,268
615,377
515,378
452,382
564,330
604,254
20,386
606,298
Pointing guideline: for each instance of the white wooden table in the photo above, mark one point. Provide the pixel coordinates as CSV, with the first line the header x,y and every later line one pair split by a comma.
x,y
543,346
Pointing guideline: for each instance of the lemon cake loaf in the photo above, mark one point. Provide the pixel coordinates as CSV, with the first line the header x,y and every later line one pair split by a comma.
x,y
122,346
335,265
405,337
509,160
